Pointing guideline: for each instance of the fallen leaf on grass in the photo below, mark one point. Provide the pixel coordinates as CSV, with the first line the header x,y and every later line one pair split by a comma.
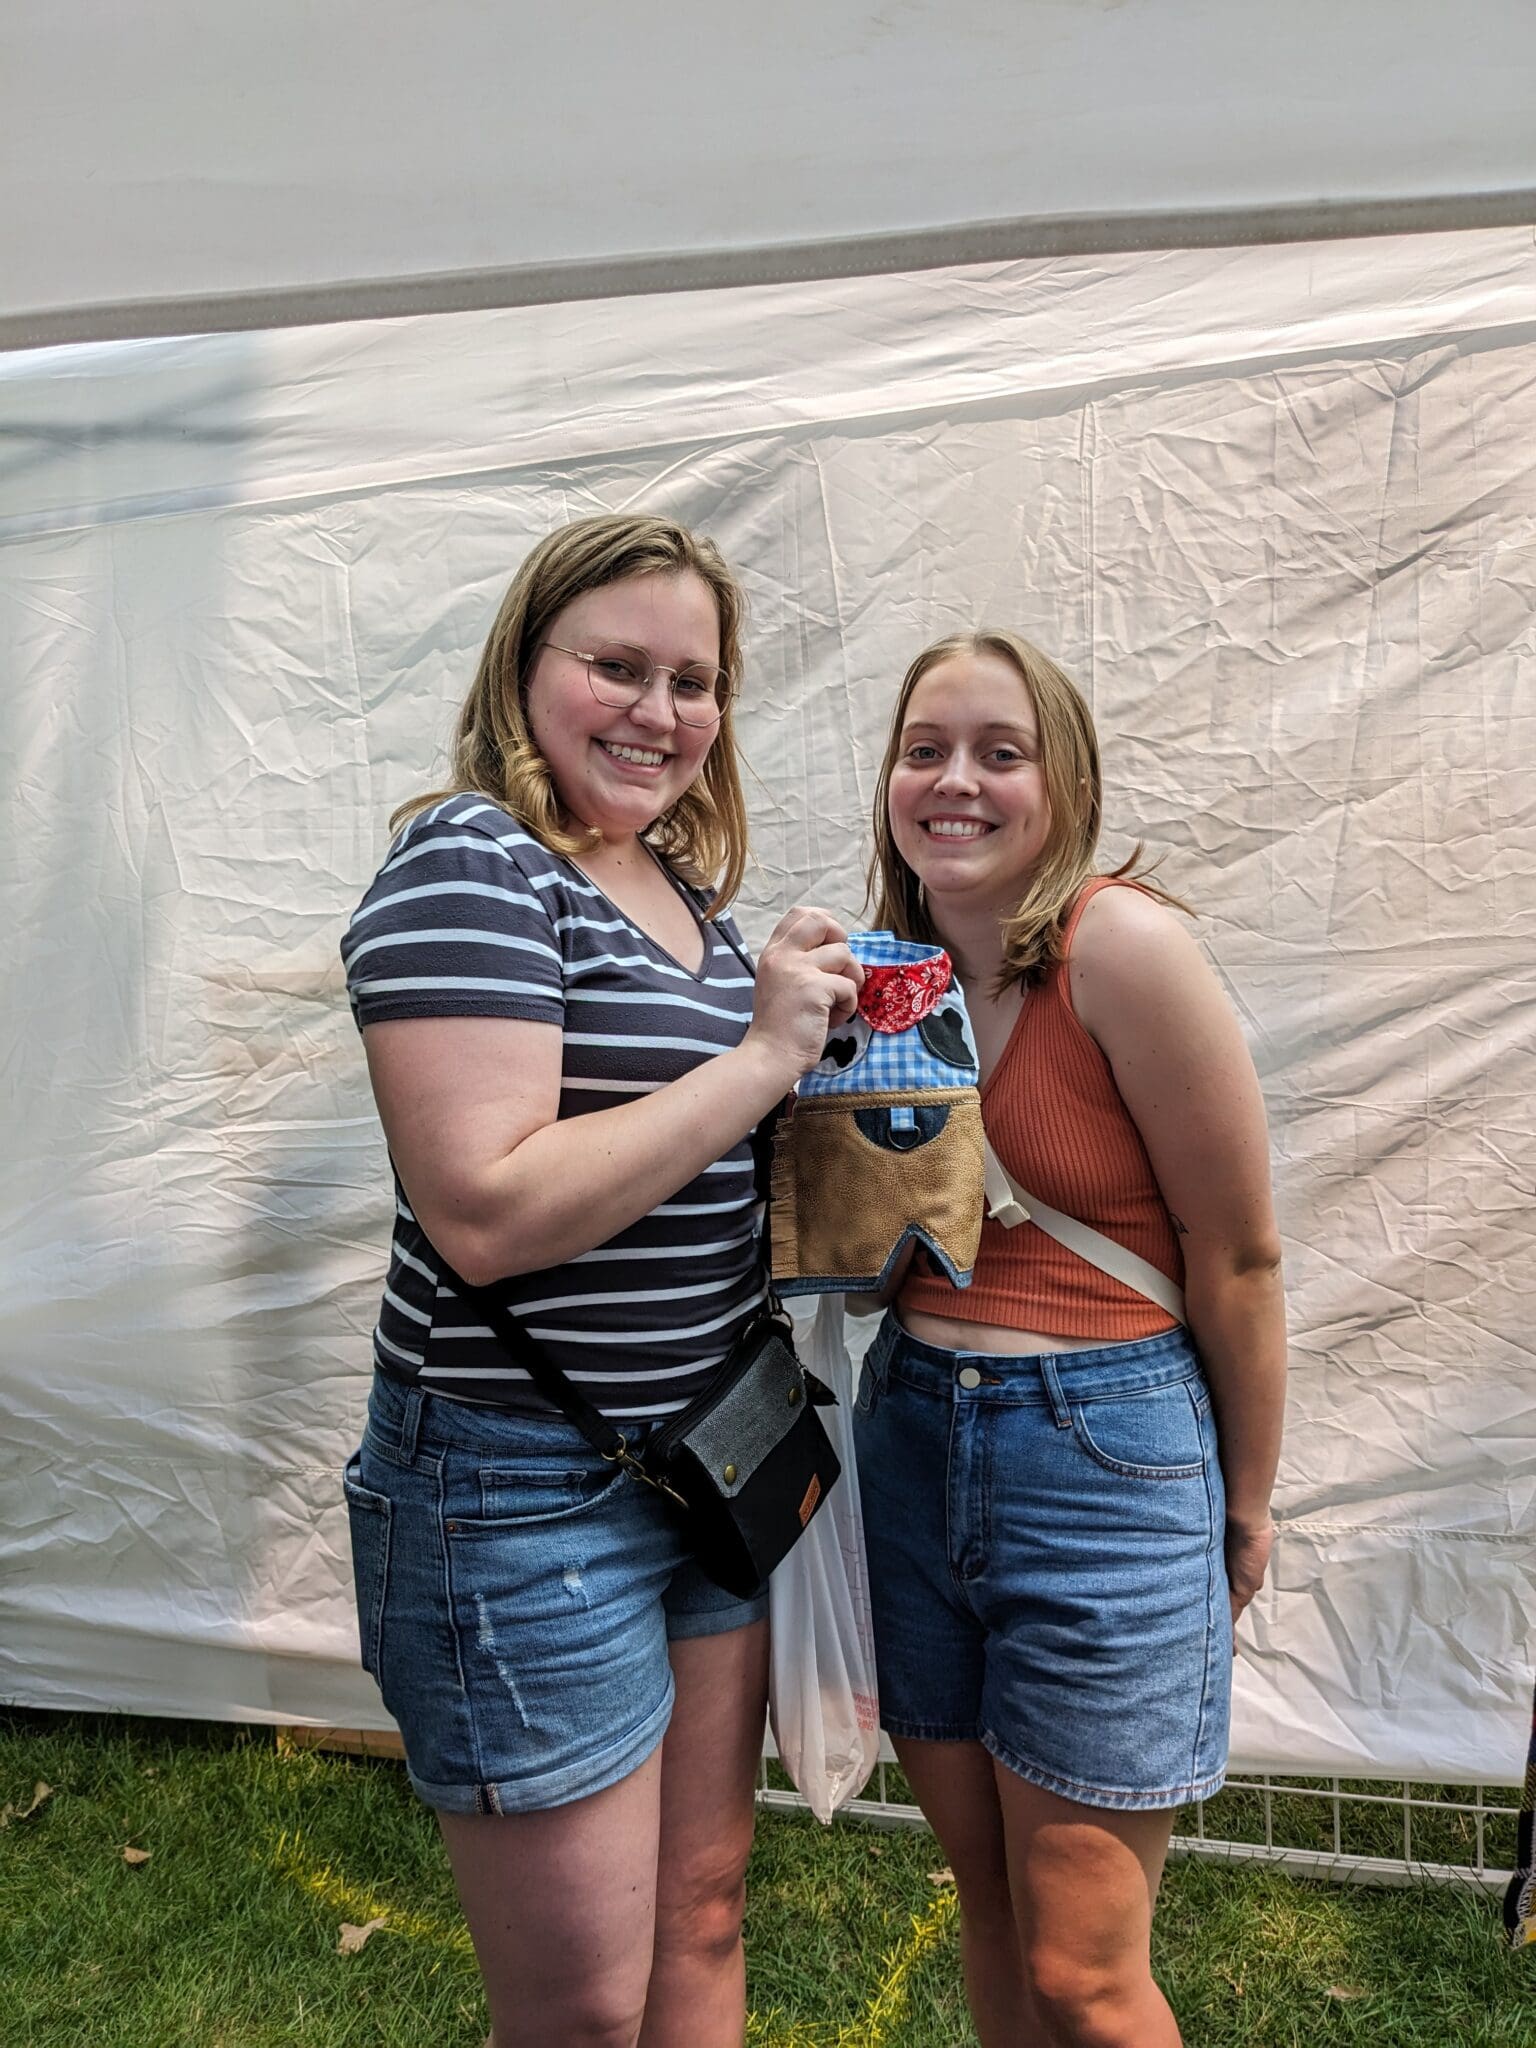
x,y
944,1876
134,1858
1345,1991
352,1938
40,1794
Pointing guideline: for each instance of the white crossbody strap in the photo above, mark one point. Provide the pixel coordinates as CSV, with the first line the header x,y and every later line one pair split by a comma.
x,y
1010,1205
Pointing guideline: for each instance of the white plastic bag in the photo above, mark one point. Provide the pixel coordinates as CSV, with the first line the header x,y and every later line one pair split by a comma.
x,y
822,1701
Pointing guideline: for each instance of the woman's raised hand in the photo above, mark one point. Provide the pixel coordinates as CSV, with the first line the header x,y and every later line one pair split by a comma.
x,y
808,982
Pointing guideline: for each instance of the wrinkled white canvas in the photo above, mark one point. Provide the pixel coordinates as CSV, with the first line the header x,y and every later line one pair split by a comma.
x,y
1274,508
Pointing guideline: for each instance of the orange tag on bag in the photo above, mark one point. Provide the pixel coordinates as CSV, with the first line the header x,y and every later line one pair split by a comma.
x,y
808,1505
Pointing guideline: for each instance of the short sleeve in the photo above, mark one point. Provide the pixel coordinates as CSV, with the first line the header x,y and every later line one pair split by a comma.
x,y
456,925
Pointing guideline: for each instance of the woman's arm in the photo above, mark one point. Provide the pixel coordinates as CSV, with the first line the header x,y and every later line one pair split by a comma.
x,y
1145,993
470,1106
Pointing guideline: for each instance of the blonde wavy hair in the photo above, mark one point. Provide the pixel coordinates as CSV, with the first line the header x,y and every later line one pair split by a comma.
x,y
1069,760
704,834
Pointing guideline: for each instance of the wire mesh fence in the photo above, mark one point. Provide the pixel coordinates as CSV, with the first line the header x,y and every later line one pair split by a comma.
x,y
1337,1830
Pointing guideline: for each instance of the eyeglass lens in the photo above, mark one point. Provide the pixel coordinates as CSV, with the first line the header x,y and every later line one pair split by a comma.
x,y
620,675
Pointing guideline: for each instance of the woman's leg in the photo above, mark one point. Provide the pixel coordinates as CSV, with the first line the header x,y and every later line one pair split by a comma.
x,y
561,1909
1084,1880
954,1784
709,1762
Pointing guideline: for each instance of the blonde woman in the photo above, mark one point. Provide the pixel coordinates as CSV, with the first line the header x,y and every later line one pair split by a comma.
x,y
569,1055
1066,1474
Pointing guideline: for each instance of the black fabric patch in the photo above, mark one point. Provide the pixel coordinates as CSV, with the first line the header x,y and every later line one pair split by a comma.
x,y
841,1051
944,1036
877,1126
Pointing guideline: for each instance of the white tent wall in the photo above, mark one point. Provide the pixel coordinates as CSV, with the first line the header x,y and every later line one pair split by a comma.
x,y
1275,508
187,167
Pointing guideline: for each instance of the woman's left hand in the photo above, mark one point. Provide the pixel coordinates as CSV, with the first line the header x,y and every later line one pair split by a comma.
x,y
1248,1547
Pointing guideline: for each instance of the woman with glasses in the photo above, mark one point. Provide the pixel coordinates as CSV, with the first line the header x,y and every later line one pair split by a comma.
x,y
569,1055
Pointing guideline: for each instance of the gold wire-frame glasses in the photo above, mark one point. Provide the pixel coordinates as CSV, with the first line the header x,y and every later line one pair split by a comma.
x,y
619,675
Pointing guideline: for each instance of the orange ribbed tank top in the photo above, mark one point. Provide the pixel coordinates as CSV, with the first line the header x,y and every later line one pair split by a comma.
x,y
1056,1121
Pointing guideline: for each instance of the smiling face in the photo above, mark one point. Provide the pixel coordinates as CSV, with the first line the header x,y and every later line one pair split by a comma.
x,y
618,771
967,797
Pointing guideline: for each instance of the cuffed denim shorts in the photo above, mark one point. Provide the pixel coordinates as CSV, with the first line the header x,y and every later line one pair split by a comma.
x,y
515,1598
1046,1555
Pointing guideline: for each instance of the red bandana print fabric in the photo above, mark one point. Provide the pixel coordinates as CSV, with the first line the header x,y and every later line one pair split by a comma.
x,y
894,998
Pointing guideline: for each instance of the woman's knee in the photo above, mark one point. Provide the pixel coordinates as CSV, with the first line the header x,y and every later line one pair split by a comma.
x,y
989,1941
699,1910
594,2017
1087,2003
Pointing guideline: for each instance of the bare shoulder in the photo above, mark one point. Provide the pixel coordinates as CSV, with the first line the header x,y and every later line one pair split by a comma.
x,y
1129,910
1127,932
1132,955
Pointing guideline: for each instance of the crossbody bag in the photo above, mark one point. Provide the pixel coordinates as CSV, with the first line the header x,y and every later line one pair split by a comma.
x,y
745,1466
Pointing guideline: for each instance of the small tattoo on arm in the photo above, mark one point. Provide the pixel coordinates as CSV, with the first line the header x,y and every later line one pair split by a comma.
x,y
1181,1228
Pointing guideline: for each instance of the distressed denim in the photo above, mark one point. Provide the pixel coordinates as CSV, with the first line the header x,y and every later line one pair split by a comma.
x,y
515,1598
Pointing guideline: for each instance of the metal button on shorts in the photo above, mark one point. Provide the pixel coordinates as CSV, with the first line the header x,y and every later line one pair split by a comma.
x,y
968,1376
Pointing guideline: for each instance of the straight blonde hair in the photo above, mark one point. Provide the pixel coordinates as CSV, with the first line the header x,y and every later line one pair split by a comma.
x,y
704,834
1069,760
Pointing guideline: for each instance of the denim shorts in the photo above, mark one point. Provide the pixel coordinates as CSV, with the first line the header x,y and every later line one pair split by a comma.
x,y
515,1598
1046,1553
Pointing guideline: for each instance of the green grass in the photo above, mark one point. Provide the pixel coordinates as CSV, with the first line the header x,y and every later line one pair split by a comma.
x,y
226,1937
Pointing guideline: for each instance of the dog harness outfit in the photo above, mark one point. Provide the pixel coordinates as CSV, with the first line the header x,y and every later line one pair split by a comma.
x,y
882,1144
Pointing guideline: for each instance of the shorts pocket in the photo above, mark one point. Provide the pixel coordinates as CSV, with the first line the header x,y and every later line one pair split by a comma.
x,y
1154,1434
537,1490
875,1372
369,1515
871,1388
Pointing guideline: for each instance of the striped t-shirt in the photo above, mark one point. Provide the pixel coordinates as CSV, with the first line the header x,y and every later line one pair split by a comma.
x,y
471,917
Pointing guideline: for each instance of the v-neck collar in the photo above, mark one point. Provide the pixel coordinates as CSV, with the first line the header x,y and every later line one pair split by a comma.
x,y
697,974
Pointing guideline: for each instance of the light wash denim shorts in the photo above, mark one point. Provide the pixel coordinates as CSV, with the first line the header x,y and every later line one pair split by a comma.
x,y
515,1598
1046,1546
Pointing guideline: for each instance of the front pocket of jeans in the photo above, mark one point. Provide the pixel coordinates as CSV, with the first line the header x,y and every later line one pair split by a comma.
x,y
538,1490
1151,1435
871,1387
369,1517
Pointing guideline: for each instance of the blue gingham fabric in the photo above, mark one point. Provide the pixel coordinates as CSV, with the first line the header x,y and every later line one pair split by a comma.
x,y
938,1052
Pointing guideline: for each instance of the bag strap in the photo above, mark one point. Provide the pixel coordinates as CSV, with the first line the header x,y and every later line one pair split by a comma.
x,y
763,1133
551,1382
1011,1205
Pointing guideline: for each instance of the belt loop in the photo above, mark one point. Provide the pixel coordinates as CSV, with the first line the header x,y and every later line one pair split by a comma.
x,y
1052,1378
410,1423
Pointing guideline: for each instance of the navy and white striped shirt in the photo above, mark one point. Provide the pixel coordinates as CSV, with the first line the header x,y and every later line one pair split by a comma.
x,y
471,917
